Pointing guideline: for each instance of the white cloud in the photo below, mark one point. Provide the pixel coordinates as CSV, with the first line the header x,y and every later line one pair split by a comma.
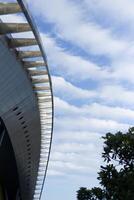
x,y
72,26
67,154
70,65
109,94
90,124
69,91
97,110
73,162
118,13
69,167
123,69
55,172
74,148
117,94
79,136
82,32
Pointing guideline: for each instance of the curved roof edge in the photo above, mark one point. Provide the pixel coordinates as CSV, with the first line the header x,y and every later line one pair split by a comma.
x,y
46,127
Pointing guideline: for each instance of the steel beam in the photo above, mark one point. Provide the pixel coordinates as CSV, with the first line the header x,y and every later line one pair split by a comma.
x,y
29,54
9,8
39,87
46,107
14,27
37,72
44,100
29,64
40,80
39,94
21,42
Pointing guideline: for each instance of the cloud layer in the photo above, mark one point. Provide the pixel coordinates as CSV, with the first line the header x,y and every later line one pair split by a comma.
x,y
90,54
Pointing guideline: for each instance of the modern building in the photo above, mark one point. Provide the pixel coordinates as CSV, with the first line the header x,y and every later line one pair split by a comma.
x,y
26,107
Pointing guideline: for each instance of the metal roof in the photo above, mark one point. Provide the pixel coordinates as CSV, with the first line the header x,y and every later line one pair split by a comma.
x,y
38,72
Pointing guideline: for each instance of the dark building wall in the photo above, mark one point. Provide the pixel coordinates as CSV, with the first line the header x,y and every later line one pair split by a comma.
x,y
9,183
19,110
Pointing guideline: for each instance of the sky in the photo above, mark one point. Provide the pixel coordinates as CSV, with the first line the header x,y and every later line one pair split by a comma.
x,y
89,46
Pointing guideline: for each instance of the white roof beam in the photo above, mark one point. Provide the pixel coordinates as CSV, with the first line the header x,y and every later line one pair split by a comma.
x,y
29,64
37,72
6,28
29,54
21,42
9,8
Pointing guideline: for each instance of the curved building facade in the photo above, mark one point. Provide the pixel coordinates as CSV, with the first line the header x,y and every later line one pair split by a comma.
x,y
26,108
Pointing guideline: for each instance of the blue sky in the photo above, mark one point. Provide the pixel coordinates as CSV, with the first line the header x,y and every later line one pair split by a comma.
x,y
90,51
90,48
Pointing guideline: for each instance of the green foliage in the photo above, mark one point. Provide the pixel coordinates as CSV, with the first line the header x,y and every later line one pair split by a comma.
x,y
117,176
83,194
94,194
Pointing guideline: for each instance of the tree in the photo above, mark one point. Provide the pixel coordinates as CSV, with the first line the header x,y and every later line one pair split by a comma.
x,y
117,176
93,194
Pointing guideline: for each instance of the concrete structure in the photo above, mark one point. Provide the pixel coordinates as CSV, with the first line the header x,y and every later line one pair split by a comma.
x,y
26,109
